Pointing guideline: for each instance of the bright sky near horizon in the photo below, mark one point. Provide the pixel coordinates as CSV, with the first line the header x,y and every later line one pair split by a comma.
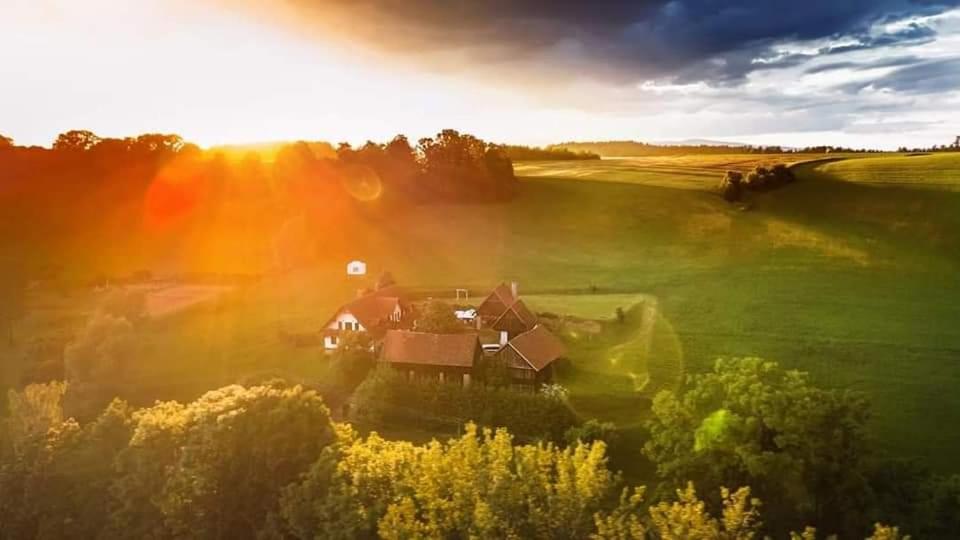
x,y
221,72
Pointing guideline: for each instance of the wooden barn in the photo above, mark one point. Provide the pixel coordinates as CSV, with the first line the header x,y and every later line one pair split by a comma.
x,y
530,356
424,356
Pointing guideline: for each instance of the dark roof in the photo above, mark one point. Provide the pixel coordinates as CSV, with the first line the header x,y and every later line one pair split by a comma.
x,y
538,346
522,312
406,347
497,301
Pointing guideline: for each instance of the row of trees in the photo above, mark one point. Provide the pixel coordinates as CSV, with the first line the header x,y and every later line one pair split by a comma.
x,y
267,462
449,167
550,153
636,149
734,184
156,197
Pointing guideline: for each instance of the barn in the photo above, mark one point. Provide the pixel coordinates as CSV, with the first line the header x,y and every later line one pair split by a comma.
x,y
530,356
426,356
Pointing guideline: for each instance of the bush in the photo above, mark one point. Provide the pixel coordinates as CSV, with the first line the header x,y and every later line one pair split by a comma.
x,y
591,431
385,396
730,186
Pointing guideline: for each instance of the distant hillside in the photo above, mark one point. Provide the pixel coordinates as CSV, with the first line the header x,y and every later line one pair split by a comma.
x,y
700,142
636,148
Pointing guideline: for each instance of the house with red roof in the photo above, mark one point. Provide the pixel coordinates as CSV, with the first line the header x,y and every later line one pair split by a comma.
x,y
374,312
427,356
530,357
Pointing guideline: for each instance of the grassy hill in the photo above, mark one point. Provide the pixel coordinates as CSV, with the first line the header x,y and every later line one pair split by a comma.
x,y
836,274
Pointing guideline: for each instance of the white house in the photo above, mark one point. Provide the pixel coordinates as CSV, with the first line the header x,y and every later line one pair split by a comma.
x,y
373,314
356,268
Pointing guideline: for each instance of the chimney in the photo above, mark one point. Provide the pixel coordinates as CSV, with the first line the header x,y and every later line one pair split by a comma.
x,y
504,337
514,289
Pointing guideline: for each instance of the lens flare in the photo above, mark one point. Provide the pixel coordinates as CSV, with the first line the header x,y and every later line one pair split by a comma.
x,y
362,182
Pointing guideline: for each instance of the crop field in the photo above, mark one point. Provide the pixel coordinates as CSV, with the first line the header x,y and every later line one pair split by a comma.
x,y
852,281
681,172
939,171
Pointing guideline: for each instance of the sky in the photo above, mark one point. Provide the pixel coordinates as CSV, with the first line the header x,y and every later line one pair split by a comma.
x,y
864,73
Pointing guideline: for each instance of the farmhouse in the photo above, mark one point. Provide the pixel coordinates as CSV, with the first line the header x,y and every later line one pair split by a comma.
x,y
374,313
504,311
529,357
526,348
421,355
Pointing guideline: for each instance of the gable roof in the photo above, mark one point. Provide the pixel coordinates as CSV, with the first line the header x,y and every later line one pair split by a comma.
x,y
371,310
538,346
406,347
497,301
521,311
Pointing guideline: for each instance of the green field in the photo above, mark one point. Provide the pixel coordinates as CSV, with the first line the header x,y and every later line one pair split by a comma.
x,y
681,172
837,274
926,170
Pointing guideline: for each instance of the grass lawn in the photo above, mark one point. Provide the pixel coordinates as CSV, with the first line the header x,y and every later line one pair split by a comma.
x,y
852,281
681,172
939,170
585,306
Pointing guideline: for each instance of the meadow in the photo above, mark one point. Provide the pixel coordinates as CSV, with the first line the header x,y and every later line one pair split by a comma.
x,y
841,274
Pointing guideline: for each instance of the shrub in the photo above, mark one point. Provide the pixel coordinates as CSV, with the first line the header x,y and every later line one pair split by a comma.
x,y
730,186
385,396
591,431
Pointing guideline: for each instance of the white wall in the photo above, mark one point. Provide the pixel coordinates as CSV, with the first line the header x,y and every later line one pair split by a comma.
x,y
345,317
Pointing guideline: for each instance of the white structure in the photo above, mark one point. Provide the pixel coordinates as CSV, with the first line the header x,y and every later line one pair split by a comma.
x,y
344,320
365,314
466,315
356,268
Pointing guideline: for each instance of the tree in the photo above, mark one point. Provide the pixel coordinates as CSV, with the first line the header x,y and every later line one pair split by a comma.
x,y
13,294
54,483
95,363
353,359
749,422
730,187
215,468
372,400
593,430
687,517
479,485
34,410
437,317
76,140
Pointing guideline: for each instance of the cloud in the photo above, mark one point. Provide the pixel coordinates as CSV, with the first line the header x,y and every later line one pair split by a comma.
x,y
896,61
625,40
931,77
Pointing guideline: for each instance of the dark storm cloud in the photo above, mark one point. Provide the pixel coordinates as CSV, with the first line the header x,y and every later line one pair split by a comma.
x,y
896,61
625,40
929,77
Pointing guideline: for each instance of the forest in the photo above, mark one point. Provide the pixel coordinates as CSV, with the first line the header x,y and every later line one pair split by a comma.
x,y
748,449
167,197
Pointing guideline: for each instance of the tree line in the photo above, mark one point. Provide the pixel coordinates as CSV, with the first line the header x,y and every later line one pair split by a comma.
x,y
747,450
157,197
550,153
639,149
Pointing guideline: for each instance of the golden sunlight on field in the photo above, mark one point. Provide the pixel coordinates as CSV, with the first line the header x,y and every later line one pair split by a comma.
x,y
783,234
